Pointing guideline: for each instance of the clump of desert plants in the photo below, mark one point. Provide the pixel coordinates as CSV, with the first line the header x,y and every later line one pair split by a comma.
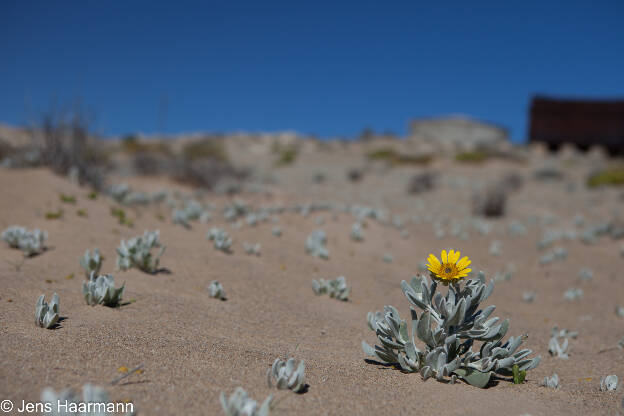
x,y
316,244
395,158
100,290
421,182
91,262
612,176
220,238
449,326
573,293
215,289
136,252
287,375
286,154
47,314
30,243
474,156
240,404
252,249
335,288
490,202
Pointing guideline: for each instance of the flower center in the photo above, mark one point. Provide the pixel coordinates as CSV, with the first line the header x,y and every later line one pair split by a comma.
x,y
448,270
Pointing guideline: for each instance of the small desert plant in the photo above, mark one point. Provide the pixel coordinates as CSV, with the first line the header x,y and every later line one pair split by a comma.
x,y
613,176
357,232
445,321
421,182
276,231
556,349
316,244
67,199
387,258
335,288
252,249
529,297
395,158
47,315
30,242
240,404
551,382
120,214
355,174
66,146
100,290
287,376
476,156
573,294
286,154
609,383
91,262
491,202
215,289
220,238
136,252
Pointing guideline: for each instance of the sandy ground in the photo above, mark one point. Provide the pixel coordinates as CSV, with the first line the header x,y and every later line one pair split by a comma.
x,y
193,346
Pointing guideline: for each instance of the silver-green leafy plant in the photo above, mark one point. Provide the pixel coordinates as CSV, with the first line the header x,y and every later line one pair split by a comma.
x,y
556,349
220,238
551,382
449,326
240,404
215,289
47,314
30,242
316,244
100,290
609,383
387,258
529,297
335,288
357,232
573,294
136,252
94,402
252,249
287,375
91,262
586,274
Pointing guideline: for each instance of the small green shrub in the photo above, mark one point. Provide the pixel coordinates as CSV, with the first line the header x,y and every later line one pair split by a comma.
x,y
54,215
395,158
208,148
286,155
613,176
476,156
67,199
132,145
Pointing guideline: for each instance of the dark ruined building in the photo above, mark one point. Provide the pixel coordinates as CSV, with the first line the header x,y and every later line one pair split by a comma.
x,y
584,123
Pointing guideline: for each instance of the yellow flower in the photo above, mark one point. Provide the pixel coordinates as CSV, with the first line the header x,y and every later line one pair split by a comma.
x,y
450,269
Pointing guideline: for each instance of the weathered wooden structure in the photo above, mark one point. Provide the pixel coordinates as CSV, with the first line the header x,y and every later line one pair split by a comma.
x,y
584,123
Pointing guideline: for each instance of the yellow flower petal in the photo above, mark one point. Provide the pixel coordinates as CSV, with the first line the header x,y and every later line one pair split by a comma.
x,y
433,260
455,258
444,256
463,263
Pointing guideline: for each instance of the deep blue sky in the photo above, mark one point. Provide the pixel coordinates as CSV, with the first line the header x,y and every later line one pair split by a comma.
x,y
326,68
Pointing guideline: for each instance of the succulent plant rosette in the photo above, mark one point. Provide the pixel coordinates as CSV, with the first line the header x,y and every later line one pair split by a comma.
x,y
451,337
